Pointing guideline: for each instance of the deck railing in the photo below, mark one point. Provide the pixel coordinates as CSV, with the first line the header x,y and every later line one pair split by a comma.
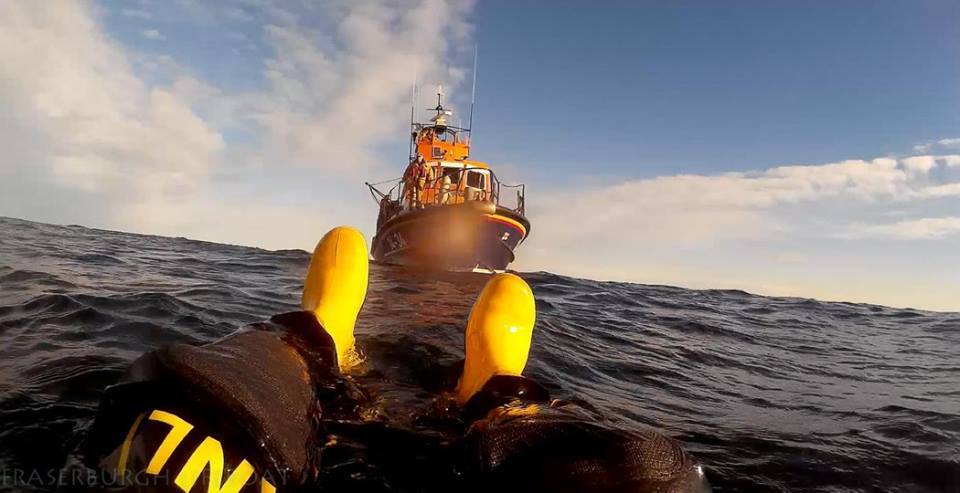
x,y
512,197
404,195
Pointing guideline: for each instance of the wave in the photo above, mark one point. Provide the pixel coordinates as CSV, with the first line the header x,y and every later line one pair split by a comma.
x,y
773,394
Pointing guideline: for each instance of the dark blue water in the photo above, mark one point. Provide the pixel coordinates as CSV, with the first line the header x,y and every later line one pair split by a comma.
x,y
772,394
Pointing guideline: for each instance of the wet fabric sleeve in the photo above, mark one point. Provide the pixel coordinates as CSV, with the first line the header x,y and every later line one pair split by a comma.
x,y
174,449
524,444
239,414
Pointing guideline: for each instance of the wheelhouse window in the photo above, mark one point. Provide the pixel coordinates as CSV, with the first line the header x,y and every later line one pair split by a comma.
x,y
453,173
476,185
476,179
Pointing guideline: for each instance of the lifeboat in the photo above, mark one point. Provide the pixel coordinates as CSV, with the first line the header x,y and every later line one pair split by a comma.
x,y
447,212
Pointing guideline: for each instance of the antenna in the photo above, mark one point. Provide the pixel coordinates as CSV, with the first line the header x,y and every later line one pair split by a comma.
x,y
413,104
413,100
440,95
473,92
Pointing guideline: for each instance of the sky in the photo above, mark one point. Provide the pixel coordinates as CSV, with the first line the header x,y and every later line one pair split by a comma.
x,y
781,147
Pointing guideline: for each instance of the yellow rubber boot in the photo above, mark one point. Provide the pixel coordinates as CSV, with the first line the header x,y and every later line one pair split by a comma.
x,y
335,287
498,333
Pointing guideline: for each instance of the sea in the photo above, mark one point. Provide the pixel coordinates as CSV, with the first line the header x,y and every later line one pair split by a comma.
x,y
770,394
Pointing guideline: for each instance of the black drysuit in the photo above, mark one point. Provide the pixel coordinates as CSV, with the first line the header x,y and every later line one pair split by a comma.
x,y
254,412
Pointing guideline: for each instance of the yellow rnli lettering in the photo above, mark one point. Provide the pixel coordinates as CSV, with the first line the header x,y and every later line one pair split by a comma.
x,y
178,431
125,447
210,452
266,486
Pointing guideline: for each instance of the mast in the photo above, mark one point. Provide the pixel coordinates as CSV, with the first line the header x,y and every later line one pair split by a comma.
x,y
413,100
413,104
440,119
473,92
445,136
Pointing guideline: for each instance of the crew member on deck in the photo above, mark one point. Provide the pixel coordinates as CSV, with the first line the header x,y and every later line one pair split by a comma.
x,y
421,180
248,412
429,193
414,179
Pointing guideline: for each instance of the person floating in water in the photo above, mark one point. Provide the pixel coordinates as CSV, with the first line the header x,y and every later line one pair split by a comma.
x,y
250,412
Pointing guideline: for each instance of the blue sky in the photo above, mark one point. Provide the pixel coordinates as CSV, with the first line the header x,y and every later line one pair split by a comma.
x,y
690,86
716,86
784,147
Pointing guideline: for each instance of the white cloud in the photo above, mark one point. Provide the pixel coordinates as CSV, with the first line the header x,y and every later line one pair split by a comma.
x,y
153,34
88,124
916,229
141,13
790,257
948,190
694,209
332,96
88,139
942,144
920,164
809,230
237,14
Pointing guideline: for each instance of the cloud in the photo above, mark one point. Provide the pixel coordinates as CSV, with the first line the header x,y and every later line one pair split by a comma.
x,y
941,144
920,164
153,34
694,209
140,13
86,124
833,231
948,190
237,14
331,97
926,228
790,257
97,133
